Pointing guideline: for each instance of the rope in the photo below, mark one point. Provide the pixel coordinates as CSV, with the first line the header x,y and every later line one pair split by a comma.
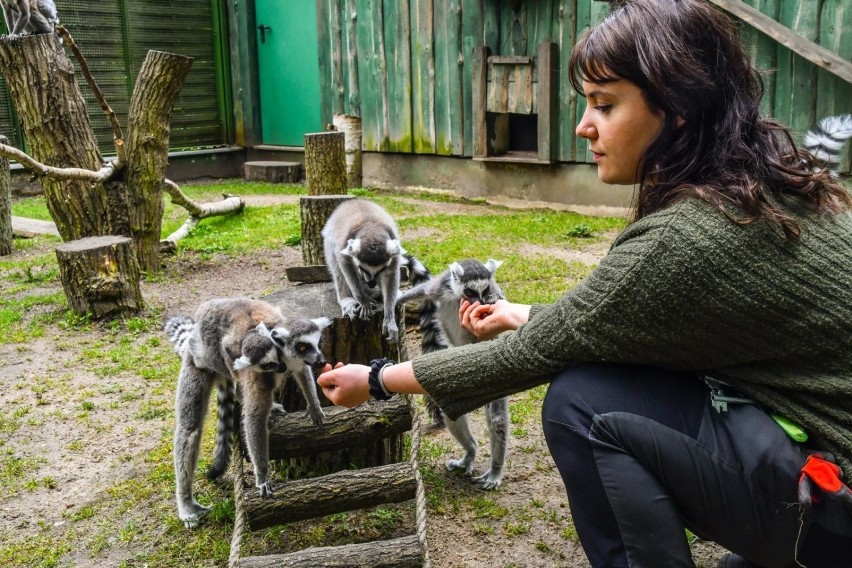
x,y
420,497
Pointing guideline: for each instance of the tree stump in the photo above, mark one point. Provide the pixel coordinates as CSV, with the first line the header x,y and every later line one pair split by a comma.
x,y
273,172
350,126
100,275
325,163
315,211
5,204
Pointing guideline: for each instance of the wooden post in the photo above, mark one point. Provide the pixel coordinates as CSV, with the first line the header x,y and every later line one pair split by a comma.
x,y
100,275
325,163
5,203
548,95
479,63
315,211
350,126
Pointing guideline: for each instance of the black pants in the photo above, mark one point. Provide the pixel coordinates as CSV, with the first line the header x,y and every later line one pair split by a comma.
x,y
643,455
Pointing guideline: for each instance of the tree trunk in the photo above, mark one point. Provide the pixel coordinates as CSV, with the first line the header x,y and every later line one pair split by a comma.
x,y
401,552
157,88
40,78
336,493
100,275
325,164
315,211
350,126
5,204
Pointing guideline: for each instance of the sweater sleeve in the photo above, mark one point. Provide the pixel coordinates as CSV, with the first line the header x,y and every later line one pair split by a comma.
x,y
638,306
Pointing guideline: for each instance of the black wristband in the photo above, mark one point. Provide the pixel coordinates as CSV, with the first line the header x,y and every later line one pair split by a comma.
x,y
376,388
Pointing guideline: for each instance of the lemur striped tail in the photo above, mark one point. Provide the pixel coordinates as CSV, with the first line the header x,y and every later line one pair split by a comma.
x,y
417,271
224,431
825,141
178,330
431,339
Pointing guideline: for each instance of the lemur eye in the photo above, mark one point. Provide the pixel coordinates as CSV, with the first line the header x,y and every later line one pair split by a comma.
x,y
469,292
301,347
487,291
269,366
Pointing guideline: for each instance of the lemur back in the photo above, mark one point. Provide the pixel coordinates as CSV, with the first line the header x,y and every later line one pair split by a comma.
x,y
237,341
364,256
439,327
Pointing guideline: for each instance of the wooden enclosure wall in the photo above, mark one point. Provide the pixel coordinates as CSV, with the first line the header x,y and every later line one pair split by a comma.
x,y
404,67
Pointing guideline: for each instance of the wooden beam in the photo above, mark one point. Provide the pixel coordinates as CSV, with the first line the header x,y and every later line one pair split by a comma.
x,y
814,53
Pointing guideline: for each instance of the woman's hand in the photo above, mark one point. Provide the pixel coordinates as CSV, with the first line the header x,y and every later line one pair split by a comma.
x,y
488,320
345,385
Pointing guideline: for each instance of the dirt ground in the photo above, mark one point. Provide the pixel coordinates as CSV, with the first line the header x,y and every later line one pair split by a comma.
x,y
82,457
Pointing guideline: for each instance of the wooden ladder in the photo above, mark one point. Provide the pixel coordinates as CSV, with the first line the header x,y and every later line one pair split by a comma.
x,y
292,436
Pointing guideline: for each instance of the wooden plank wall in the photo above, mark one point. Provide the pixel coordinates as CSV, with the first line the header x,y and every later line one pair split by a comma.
x,y
404,66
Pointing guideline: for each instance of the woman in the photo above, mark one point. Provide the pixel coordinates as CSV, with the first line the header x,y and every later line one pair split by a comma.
x,y
727,300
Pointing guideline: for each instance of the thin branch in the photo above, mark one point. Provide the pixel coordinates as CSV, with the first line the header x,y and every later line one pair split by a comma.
x,y
59,174
198,211
118,138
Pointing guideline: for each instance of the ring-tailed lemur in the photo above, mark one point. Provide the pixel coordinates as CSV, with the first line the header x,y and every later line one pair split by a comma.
x,y
237,341
364,257
439,325
826,139
29,16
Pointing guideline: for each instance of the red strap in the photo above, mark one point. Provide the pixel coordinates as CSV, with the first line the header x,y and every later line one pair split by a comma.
x,y
825,474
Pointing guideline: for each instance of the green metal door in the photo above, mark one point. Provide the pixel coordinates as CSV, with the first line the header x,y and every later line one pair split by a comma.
x,y
289,70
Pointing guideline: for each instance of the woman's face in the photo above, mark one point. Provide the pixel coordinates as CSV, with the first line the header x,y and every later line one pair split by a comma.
x,y
620,127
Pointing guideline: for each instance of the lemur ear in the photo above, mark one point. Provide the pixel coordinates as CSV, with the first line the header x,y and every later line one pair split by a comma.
x,y
456,270
352,248
393,247
241,363
491,265
263,331
322,323
279,334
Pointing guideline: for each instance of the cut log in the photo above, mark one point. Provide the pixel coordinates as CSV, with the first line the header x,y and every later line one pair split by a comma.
x,y
315,211
397,553
292,435
336,493
325,163
274,172
100,275
5,203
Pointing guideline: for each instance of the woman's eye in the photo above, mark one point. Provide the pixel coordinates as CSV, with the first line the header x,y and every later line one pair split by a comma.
x,y
603,109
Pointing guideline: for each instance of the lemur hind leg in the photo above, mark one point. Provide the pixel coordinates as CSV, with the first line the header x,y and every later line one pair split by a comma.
x,y
191,401
497,419
460,429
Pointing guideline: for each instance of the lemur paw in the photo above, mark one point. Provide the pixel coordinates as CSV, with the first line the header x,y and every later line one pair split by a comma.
x,y
191,520
278,408
317,417
266,489
463,464
488,480
392,333
351,308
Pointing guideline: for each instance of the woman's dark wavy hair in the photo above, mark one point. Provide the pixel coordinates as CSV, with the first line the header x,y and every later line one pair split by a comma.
x,y
686,57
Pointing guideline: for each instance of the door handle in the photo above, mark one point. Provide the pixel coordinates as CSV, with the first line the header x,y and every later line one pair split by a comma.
x,y
263,29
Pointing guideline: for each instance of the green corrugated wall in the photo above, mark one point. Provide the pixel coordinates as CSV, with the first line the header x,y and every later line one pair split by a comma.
x,y
402,65
116,35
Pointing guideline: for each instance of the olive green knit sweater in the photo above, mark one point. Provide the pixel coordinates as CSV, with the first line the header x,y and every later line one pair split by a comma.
x,y
687,289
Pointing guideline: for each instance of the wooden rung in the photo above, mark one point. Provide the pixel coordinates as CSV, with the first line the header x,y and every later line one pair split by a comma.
x,y
398,553
292,435
320,496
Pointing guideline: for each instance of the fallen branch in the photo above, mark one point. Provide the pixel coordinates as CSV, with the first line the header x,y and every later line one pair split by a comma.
x,y
60,174
197,211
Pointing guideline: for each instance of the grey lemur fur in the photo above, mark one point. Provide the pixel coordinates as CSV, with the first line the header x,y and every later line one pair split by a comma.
x,y
29,16
825,140
364,257
439,326
237,341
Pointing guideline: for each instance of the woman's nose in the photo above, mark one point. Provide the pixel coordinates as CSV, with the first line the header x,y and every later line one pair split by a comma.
x,y
585,129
